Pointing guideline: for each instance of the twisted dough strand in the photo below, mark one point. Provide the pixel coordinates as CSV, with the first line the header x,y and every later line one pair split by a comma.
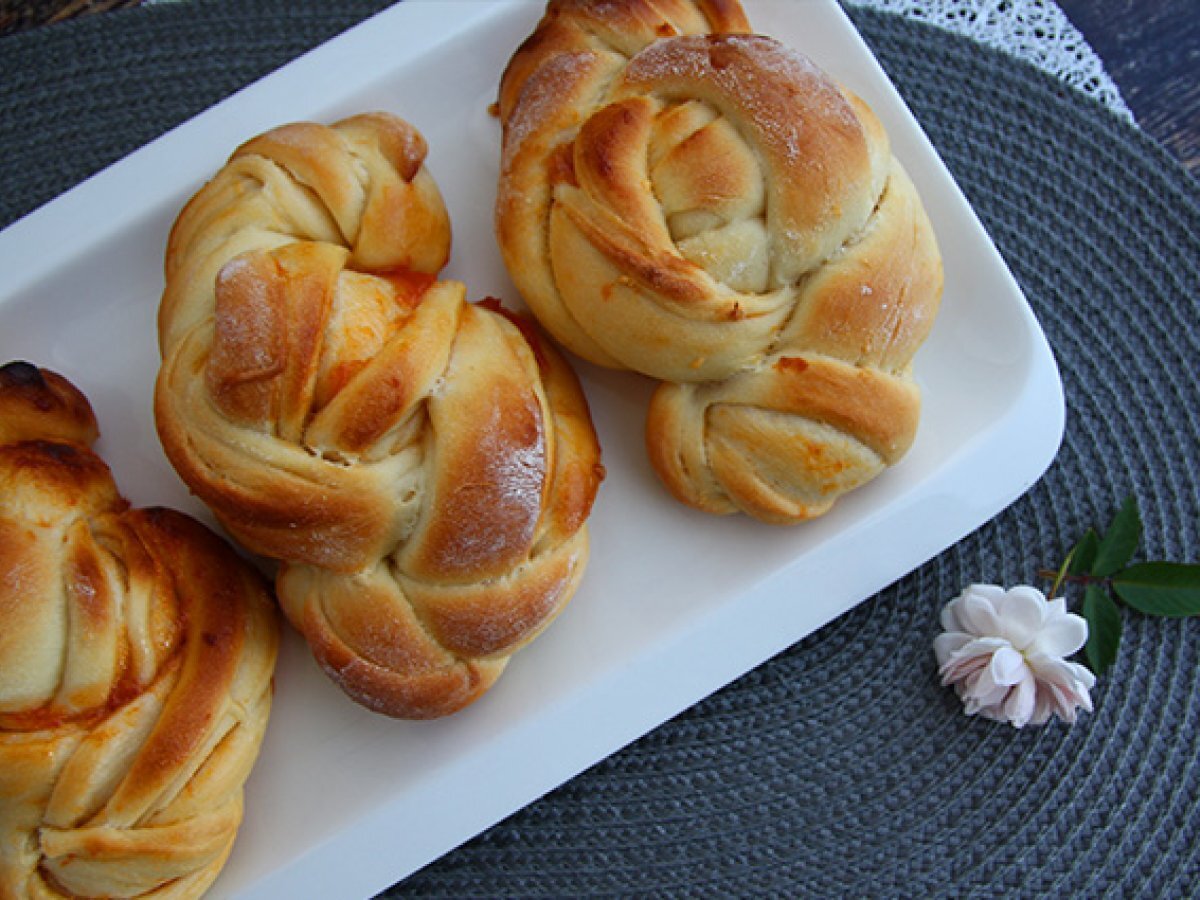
x,y
421,467
136,654
712,210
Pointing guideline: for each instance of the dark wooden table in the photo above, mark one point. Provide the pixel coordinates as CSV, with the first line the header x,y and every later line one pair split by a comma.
x,y
1151,49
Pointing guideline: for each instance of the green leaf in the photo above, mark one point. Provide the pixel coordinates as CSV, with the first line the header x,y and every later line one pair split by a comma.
x,y
1160,588
1104,628
1120,541
1079,560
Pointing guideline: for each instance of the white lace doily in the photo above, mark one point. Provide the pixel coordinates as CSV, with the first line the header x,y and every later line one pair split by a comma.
x,y
1034,30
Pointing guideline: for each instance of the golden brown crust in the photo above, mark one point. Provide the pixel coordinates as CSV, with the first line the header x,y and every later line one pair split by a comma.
x,y
136,655
37,404
701,206
410,458
622,28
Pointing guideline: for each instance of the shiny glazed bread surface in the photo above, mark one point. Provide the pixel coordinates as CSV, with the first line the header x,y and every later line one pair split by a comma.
x,y
136,655
421,466
707,207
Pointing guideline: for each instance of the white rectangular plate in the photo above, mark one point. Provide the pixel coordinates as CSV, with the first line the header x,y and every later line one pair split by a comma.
x,y
675,604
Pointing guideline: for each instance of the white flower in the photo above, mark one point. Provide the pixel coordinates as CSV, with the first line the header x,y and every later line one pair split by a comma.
x,y
1004,652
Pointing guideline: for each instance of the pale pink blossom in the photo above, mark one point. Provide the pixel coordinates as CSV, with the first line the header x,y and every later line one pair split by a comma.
x,y
1005,654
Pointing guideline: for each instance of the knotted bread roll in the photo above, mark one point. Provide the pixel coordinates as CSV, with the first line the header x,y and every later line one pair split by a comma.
x,y
422,467
136,654
709,208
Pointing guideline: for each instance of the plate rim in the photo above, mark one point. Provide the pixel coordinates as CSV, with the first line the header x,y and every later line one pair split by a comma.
x,y
364,844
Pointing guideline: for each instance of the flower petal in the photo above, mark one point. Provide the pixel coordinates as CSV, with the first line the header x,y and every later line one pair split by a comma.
x,y
1004,653
995,713
986,645
1064,702
1053,670
1061,636
1041,708
1021,701
970,658
983,689
961,667
947,644
977,613
1062,688
949,616
1084,699
1022,611
1082,674
989,592
1008,667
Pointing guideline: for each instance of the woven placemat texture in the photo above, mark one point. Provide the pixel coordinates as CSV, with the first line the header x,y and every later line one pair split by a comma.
x,y
839,768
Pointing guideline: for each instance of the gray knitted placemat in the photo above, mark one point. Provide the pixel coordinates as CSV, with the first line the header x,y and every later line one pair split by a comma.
x,y
839,768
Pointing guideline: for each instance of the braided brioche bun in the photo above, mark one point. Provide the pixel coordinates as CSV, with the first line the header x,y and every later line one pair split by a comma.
x,y
422,467
710,209
136,654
